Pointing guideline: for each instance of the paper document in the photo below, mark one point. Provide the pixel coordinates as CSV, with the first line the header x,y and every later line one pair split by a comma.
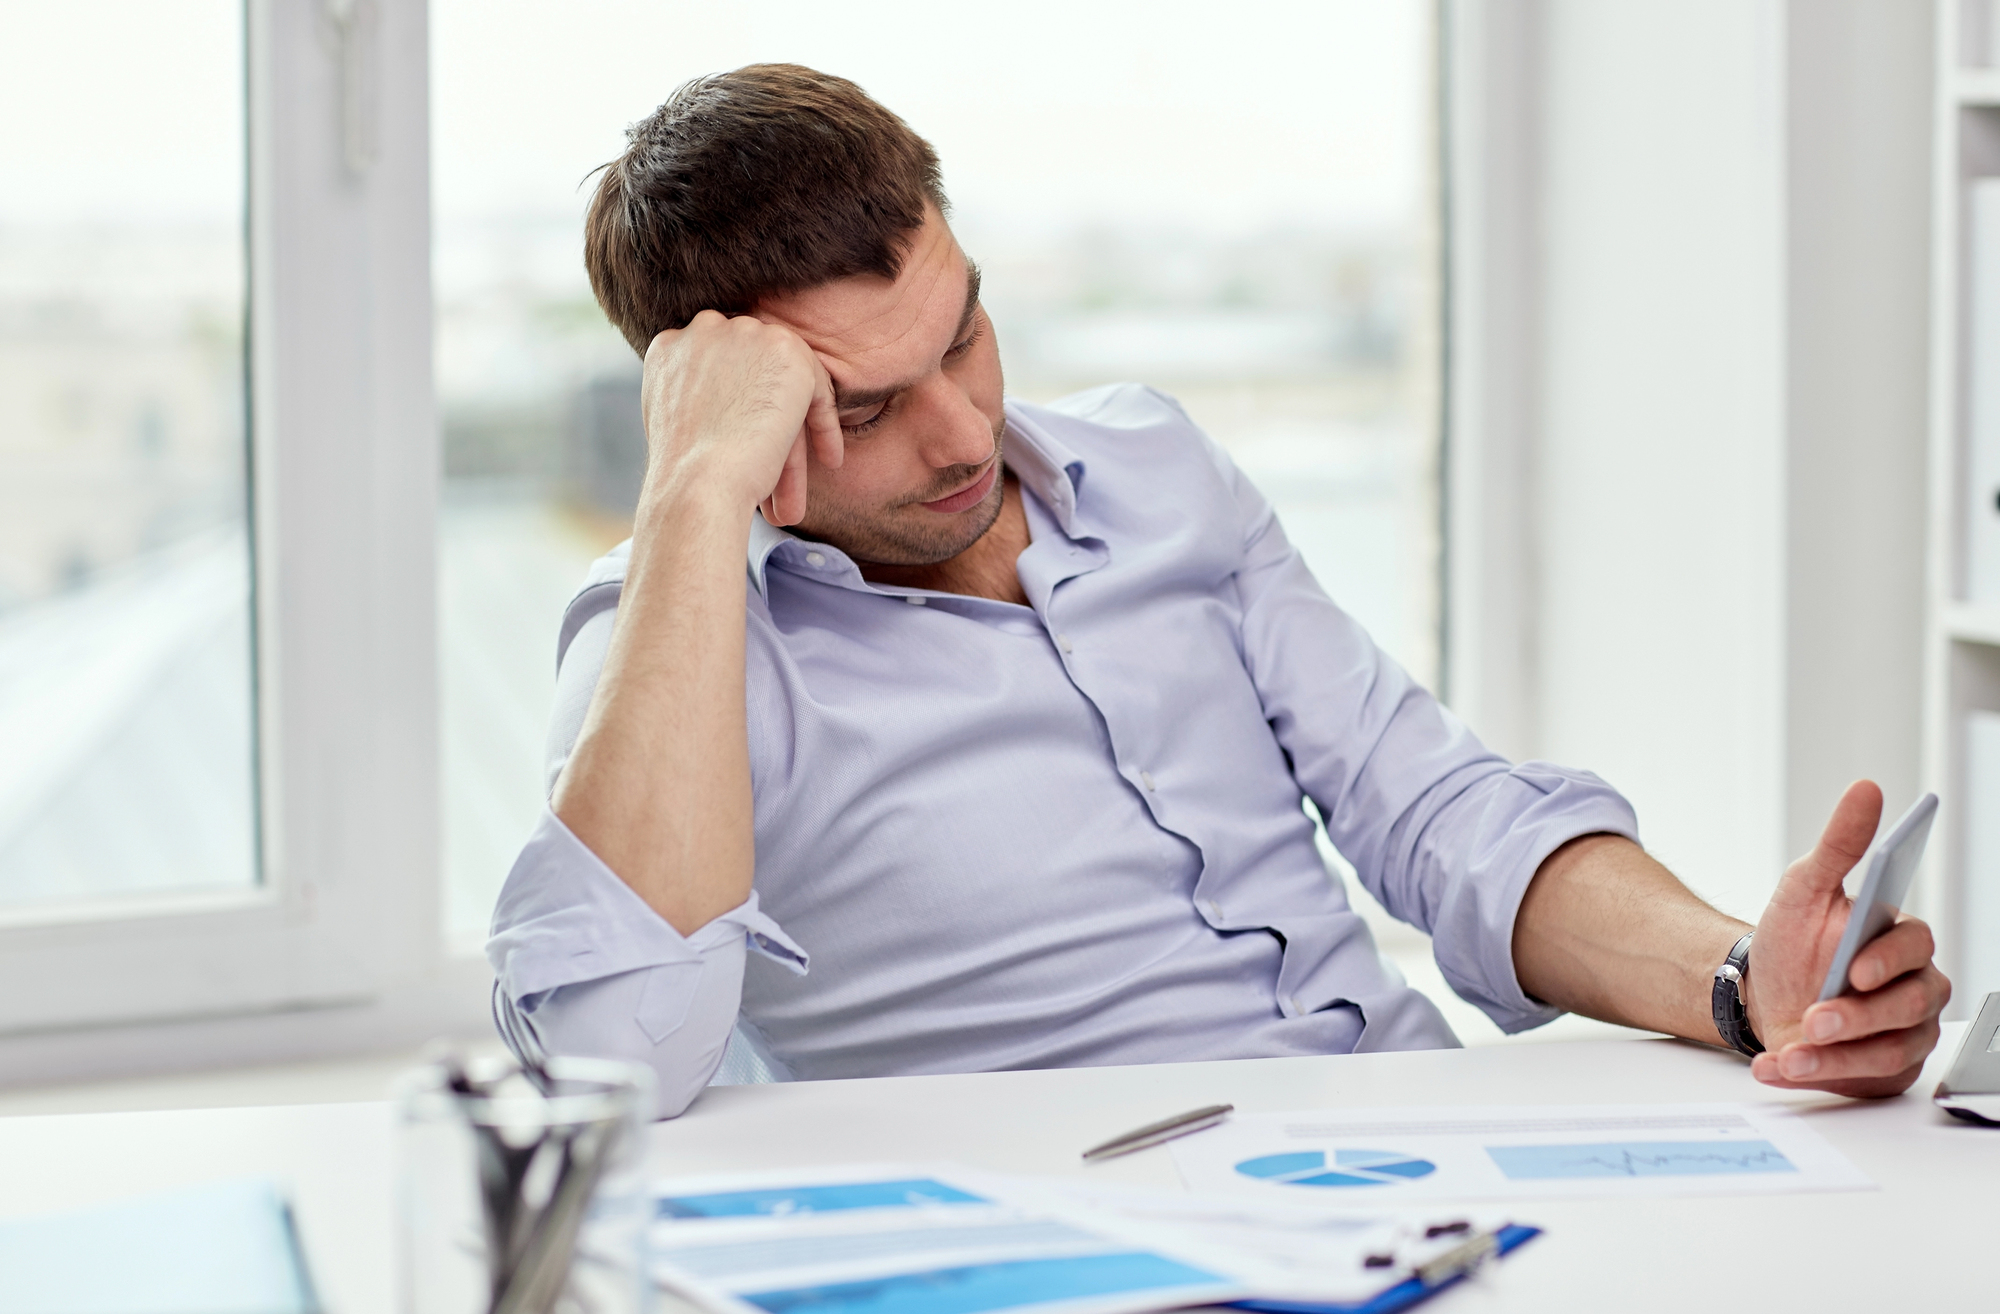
x,y
1307,1249
1389,1156
904,1240
943,1240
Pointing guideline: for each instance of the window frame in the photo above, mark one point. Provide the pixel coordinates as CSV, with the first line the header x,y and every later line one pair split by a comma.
x,y
342,944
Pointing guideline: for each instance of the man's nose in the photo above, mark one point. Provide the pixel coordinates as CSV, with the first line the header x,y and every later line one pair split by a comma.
x,y
957,432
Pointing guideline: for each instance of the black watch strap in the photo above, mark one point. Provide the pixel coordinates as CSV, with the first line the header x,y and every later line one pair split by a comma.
x,y
1731,1021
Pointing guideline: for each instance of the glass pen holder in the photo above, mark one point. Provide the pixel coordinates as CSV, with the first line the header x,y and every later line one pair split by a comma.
x,y
523,1193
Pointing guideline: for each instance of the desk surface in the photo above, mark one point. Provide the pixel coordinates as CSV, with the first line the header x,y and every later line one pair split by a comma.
x,y
1917,1243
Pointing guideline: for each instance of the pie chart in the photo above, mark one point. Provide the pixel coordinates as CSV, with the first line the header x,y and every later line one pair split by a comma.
x,y
1346,1168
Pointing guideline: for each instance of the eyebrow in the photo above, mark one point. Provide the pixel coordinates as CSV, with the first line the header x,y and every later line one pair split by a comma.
x,y
844,400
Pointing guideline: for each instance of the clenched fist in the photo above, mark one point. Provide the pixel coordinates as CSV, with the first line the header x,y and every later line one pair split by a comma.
x,y
731,403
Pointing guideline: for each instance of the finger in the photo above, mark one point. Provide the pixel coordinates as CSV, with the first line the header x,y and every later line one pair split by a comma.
x,y
662,342
1849,832
1905,947
1906,1002
1882,1055
1858,1088
788,499
656,353
823,421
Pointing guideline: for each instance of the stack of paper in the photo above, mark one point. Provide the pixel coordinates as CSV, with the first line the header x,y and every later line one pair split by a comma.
x,y
946,1240
1291,1213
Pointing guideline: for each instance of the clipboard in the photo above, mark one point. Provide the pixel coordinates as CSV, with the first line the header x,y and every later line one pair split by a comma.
x,y
1419,1287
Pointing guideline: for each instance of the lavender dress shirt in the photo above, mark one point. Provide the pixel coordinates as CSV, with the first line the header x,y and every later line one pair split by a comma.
x,y
991,836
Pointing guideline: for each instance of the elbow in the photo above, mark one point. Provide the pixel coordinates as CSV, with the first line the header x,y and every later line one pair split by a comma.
x,y
608,1019
672,1100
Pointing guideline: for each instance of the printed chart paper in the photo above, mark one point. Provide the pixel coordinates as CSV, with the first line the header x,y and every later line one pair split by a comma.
x,y
1310,1248
1378,1158
907,1240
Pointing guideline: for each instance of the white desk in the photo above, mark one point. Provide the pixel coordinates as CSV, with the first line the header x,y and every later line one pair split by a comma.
x,y
1925,1241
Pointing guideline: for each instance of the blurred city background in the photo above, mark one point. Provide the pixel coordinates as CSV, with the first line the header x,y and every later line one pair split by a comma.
x,y
125,638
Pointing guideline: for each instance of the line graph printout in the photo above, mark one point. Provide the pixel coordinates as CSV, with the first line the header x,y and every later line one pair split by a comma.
x,y
1387,1156
1524,1163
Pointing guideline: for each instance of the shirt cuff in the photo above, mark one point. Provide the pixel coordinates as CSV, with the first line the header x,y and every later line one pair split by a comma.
x,y
563,918
1538,809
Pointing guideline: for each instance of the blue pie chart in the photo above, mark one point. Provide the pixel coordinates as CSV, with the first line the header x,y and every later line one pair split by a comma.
x,y
1346,1168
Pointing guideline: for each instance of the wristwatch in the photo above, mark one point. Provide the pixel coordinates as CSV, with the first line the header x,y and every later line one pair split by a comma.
x,y
1731,1021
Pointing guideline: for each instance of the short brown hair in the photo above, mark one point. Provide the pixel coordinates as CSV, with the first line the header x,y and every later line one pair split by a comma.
x,y
767,180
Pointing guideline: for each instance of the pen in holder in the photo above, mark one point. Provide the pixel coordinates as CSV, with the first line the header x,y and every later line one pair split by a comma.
x,y
523,1191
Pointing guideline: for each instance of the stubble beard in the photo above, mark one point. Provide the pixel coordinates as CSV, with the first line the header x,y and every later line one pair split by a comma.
x,y
900,536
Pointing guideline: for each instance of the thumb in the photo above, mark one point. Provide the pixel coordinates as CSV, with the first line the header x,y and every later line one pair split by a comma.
x,y
1844,842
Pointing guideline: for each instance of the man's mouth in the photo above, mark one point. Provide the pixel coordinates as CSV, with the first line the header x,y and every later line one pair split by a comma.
x,y
970,495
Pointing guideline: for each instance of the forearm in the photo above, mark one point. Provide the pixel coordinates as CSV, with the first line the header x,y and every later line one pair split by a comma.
x,y
658,784
1607,932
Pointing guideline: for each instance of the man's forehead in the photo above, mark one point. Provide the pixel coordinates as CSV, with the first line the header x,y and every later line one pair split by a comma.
x,y
870,324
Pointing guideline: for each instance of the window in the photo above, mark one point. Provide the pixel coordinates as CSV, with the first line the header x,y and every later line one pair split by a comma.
x,y
1233,207
262,872
126,741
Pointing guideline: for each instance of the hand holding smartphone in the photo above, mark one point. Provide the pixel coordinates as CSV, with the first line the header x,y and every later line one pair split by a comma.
x,y
1890,865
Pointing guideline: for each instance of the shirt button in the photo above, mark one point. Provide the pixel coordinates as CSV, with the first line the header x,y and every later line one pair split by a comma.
x,y
815,559
1214,908
1293,1000
1062,641
1146,779
915,601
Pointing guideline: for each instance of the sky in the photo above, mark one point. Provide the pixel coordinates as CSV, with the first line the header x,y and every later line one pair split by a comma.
x,y
1219,115
116,109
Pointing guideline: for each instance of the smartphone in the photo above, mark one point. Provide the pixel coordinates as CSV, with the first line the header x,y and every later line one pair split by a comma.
x,y
1971,1090
1890,864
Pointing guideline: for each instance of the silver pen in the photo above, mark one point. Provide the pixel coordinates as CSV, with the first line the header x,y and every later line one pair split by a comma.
x,y
1165,1130
1461,1260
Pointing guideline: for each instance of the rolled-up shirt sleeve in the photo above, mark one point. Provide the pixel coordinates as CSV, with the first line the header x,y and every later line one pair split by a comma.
x,y
582,966
1442,831
585,968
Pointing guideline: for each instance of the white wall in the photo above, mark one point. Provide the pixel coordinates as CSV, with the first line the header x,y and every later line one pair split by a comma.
x,y
1662,540
1858,92
1689,552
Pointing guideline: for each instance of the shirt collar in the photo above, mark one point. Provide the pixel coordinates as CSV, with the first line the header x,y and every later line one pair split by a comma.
x,y
765,538
1043,464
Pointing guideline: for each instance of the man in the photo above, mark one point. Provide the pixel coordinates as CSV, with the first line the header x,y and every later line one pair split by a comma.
x,y
1011,722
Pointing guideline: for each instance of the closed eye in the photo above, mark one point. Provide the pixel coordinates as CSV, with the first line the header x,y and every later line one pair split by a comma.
x,y
959,349
882,411
856,428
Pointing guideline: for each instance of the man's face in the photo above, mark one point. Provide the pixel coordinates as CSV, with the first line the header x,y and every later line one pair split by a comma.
x,y
916,377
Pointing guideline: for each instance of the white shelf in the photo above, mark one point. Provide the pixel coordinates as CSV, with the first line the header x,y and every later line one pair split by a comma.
x,y
1972,622
1976,87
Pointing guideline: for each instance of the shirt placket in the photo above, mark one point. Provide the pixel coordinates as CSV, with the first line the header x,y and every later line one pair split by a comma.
x,y
1054,558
